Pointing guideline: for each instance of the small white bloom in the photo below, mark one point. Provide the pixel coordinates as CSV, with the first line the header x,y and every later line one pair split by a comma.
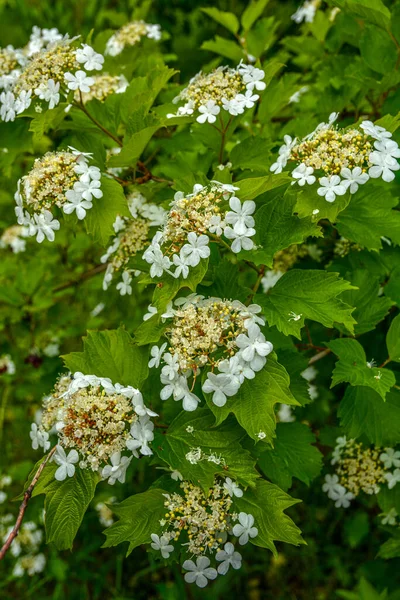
x,y
67,463
152,310
7,108
117,470
162,544
246,100
390,458
389,518
254,347
50,92
181,261
171,367
240,241
124,286
284,414
91,59
216,225
208,112
244,529
342,497
44,226
228,558
232,488
222,386
80,81
303,174
270,279
331,187
23,101
375,131
142,434
196,248
156,354
87,189
176,476
240,215
199,572
331,486
76,203
353,178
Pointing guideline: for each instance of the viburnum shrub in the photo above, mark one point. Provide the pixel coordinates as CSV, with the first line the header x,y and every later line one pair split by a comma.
x,y
226,241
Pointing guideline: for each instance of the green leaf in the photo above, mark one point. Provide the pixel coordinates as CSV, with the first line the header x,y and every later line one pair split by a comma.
x,y
378,50
395,21
369,216
308,201
277,228
370,308
363,412
222,442
225,48
227,19
251,188
310,294
100,219
252,153
388,499
253,10
134,146
110,354
139,517
373,11
352,368
393,339
253,405
391,548
293,455
267,504
167,289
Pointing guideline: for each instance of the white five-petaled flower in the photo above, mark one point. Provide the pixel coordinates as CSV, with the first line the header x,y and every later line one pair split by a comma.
x,y
390,517
44,226
304,175
117,470
353,178
232,488
76,203
80,81
152,310
240,241
156,354
254,347
91,59
162,544
124,286
222,386
208,112
196,249
390,458
253,77
142,434
245,528
86,171
331,486
240,215
66,463
283,154
159,262
199,572
87,189
23,101
246,100
39,438
50,92
331,187
375,131
181,261
392,478
342,497
7,109
228,557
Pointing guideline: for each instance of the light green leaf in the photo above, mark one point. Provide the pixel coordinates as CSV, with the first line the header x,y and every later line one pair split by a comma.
x,y
393,339
373,11
308,201
390,548
139,517
133,147
369,216
293,455
363,412
378,50
310,295
225,48
99,220
267,504
111,354
352,368
252,153
253,10
253,405
222,442
251,188
227,19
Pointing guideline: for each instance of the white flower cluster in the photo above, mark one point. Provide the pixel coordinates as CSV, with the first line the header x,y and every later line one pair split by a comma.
x,y
7,365
64,179
13,237
231,90
5,481
53,65
96,421
25,547
202,523
306,11
132,237
195,218
103,85
360,469
104,512
222,335
341,160
130,34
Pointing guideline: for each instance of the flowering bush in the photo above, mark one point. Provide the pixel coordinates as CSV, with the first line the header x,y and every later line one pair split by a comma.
x,y
237,298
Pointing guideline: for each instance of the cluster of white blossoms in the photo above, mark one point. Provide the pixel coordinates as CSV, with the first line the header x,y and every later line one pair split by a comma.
x,y
14,238
360,469
221,335
7,365
209,212
132,236
306,11
25,547
130,34
95,422
51,70
103,85
201,523
62,179
340,160
232,90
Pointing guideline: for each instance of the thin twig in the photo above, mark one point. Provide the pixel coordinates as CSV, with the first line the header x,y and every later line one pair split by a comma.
x,y
81,106
83,277
318,356
27,496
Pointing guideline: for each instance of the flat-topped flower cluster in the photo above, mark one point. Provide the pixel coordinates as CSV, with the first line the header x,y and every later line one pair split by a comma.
x,y
192,221
221,335
53,69
14,238
132,237
26,547
103,85
62,179
224,88
201,523
95,422
340,159
360,469
130,34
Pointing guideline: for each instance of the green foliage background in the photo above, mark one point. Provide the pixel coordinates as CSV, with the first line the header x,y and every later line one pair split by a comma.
x,y
350,66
